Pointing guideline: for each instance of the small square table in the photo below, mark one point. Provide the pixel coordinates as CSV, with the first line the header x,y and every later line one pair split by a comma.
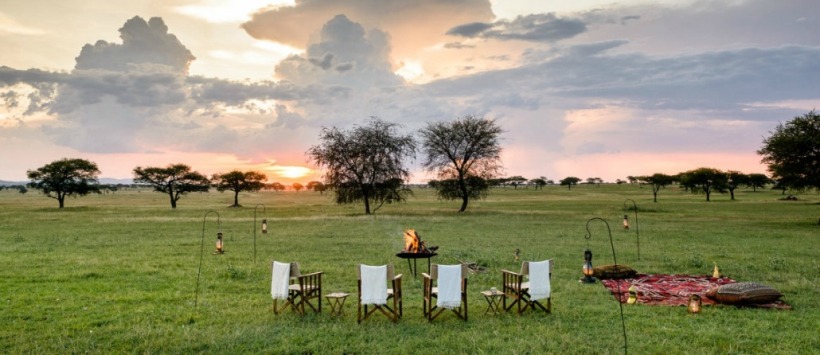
x,y
493,298
337,302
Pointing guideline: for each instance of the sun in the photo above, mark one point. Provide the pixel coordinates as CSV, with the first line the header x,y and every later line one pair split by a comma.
x,y
290,172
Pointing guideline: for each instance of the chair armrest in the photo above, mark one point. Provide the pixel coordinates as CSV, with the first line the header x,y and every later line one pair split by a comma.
x,y
503,271
511,281
397,277
310,274
312,280
426,276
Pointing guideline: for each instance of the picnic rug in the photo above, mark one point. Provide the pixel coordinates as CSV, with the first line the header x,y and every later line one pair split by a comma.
x,y
674,290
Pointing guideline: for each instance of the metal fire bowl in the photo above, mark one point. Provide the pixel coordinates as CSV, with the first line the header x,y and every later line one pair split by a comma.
x,y
416,255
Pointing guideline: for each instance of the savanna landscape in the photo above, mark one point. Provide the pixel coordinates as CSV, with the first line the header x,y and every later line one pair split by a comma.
x,y
117,272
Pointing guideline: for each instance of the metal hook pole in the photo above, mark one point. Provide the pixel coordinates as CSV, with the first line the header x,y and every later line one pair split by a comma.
x,y
588,236
202,251
254,229
637,226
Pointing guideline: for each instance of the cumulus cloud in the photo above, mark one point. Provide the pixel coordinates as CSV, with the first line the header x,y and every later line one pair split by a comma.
x,y
133,96
359,59
142,43
535,28
412,25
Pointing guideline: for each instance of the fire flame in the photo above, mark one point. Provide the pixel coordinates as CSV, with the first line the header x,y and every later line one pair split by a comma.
x,y
411,241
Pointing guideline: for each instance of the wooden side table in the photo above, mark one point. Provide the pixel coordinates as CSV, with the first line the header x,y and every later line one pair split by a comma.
x,y
493,298
337,302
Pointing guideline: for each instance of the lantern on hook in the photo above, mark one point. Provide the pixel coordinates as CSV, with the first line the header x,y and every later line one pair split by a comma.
x,y
626,222
695,304
587,269
220,247
264,226
633,295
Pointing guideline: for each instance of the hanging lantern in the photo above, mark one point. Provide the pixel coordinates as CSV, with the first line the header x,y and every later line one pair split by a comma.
x,y
633,295
626,222
517,253
695,304
264,226
219,245
587,269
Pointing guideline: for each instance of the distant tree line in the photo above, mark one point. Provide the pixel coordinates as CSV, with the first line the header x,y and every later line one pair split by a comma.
x,y
366,165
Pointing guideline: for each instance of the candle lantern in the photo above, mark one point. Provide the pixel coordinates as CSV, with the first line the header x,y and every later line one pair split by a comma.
x,y
695,304
219,244
264,226
626,222
633,295
587,269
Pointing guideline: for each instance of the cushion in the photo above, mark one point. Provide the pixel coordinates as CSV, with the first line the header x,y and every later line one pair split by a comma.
x,y
741,293
613,272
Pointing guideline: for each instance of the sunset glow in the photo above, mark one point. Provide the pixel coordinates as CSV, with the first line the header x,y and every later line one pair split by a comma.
x,y
290,172
598,88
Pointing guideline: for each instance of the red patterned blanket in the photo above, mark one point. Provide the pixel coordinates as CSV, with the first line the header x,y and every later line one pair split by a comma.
x,y
672,290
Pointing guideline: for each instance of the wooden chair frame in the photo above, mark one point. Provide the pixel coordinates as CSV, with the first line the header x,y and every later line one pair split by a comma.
x,y
301,290
393,313
430,309
517,290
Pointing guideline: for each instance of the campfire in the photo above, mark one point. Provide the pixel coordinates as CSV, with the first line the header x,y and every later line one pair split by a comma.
x,y
414,245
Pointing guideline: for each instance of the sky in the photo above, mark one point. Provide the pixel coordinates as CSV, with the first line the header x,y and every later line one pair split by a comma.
x,y
583,88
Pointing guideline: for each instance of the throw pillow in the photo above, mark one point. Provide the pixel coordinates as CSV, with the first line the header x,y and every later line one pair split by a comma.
x,y
741,293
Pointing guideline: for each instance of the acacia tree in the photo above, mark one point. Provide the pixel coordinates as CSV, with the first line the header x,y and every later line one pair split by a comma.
x,y
175,180
758,180
238,181
706,180
517,180
569,181
658,181
66,177
366,163
539,182
792,152
465,154
735,179
316,186
297,186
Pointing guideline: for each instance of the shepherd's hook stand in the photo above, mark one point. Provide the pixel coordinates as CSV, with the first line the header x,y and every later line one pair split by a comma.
x,y
588,236
202,251
254,230
637,226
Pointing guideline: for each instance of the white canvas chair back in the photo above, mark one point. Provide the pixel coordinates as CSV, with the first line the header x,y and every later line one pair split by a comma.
x,y
393,309
431,293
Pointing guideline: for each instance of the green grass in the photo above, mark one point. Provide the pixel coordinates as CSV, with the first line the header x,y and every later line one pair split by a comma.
x,y
116,273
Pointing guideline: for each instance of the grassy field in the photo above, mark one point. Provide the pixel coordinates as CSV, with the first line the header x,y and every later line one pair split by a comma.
x,y
116,273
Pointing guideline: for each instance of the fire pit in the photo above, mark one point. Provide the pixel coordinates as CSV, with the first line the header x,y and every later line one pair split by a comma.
x,y
414,249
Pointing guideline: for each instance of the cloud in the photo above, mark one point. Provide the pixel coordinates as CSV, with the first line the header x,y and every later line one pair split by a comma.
x,y
412,25
626,19
535,28
470,29
360,59
135,96
142,43
457,45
